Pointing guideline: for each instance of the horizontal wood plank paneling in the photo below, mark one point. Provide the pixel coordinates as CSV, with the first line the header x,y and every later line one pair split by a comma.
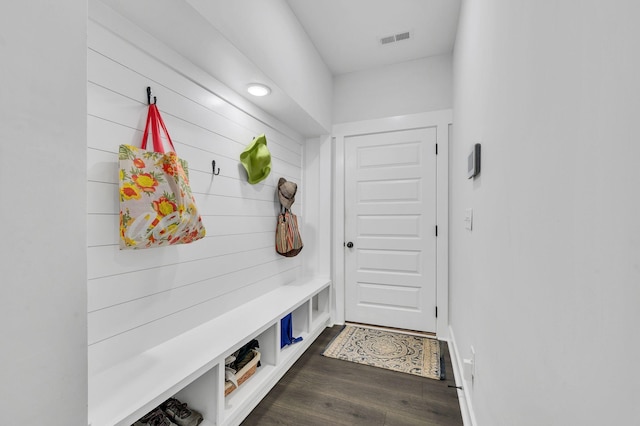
x,y
163,78
121,346
127,112
116,319
105,292
138,299
110,260
107,227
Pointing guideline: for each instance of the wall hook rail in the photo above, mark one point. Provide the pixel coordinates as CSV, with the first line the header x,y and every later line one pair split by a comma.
x,y
155,100
213,166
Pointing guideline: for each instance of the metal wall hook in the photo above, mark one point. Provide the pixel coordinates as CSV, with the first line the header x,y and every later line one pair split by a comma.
x,y
213,166
155,100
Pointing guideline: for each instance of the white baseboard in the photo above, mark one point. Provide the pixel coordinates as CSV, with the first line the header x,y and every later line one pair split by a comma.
x,y
466,407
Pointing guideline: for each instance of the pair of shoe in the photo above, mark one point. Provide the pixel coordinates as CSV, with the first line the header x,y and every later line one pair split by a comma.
x,y
171,413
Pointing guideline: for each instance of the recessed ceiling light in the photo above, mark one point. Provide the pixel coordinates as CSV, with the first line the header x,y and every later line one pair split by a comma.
x,y
257,89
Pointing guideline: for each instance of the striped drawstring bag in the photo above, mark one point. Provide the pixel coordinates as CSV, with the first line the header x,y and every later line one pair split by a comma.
x,y
288,240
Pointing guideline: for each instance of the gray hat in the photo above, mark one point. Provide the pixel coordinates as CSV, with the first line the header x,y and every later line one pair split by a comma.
x,y
287,192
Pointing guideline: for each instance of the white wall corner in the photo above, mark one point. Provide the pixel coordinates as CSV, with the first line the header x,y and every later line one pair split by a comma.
x,y
317,203
443,123
326,206
464,394
338,228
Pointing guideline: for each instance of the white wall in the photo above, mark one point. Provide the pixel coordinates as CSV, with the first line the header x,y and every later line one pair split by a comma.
x,y
43,368
406,88
545,287
138,299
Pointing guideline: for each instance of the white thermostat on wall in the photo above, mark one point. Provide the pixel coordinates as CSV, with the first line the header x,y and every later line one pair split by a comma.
x,y
473,162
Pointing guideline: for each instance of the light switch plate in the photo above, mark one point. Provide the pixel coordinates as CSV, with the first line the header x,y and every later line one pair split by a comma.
x,y
467,369
468,219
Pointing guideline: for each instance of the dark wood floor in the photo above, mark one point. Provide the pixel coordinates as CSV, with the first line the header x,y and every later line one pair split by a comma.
x,y
323,391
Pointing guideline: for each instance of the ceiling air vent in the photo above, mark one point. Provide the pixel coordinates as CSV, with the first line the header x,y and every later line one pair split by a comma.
x,y
395,37
403,36
388,39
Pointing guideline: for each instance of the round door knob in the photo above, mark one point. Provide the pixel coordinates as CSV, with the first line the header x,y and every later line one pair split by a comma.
x,y
349,244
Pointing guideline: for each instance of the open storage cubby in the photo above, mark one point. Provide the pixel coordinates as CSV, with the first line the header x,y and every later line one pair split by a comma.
x,y
320,305
201,392
242,396
125,392
301,320
300,324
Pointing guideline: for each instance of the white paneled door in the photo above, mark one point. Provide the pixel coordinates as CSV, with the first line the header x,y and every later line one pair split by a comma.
x,y
390,229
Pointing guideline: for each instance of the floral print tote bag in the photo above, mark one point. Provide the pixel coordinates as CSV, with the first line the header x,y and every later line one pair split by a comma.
x,y
157,207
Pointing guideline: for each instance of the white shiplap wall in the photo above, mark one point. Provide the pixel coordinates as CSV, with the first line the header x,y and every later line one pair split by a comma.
x,y
138,299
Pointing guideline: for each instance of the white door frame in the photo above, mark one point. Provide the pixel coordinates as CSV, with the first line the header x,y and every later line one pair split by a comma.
x,y
441,120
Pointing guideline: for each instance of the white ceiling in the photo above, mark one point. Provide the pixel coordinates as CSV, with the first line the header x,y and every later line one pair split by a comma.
x,y
347,32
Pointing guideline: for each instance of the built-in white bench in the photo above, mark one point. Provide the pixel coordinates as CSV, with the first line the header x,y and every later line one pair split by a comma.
x,y
191,366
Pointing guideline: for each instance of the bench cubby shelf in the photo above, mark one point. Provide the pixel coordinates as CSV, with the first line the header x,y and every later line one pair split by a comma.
x,y
125,392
